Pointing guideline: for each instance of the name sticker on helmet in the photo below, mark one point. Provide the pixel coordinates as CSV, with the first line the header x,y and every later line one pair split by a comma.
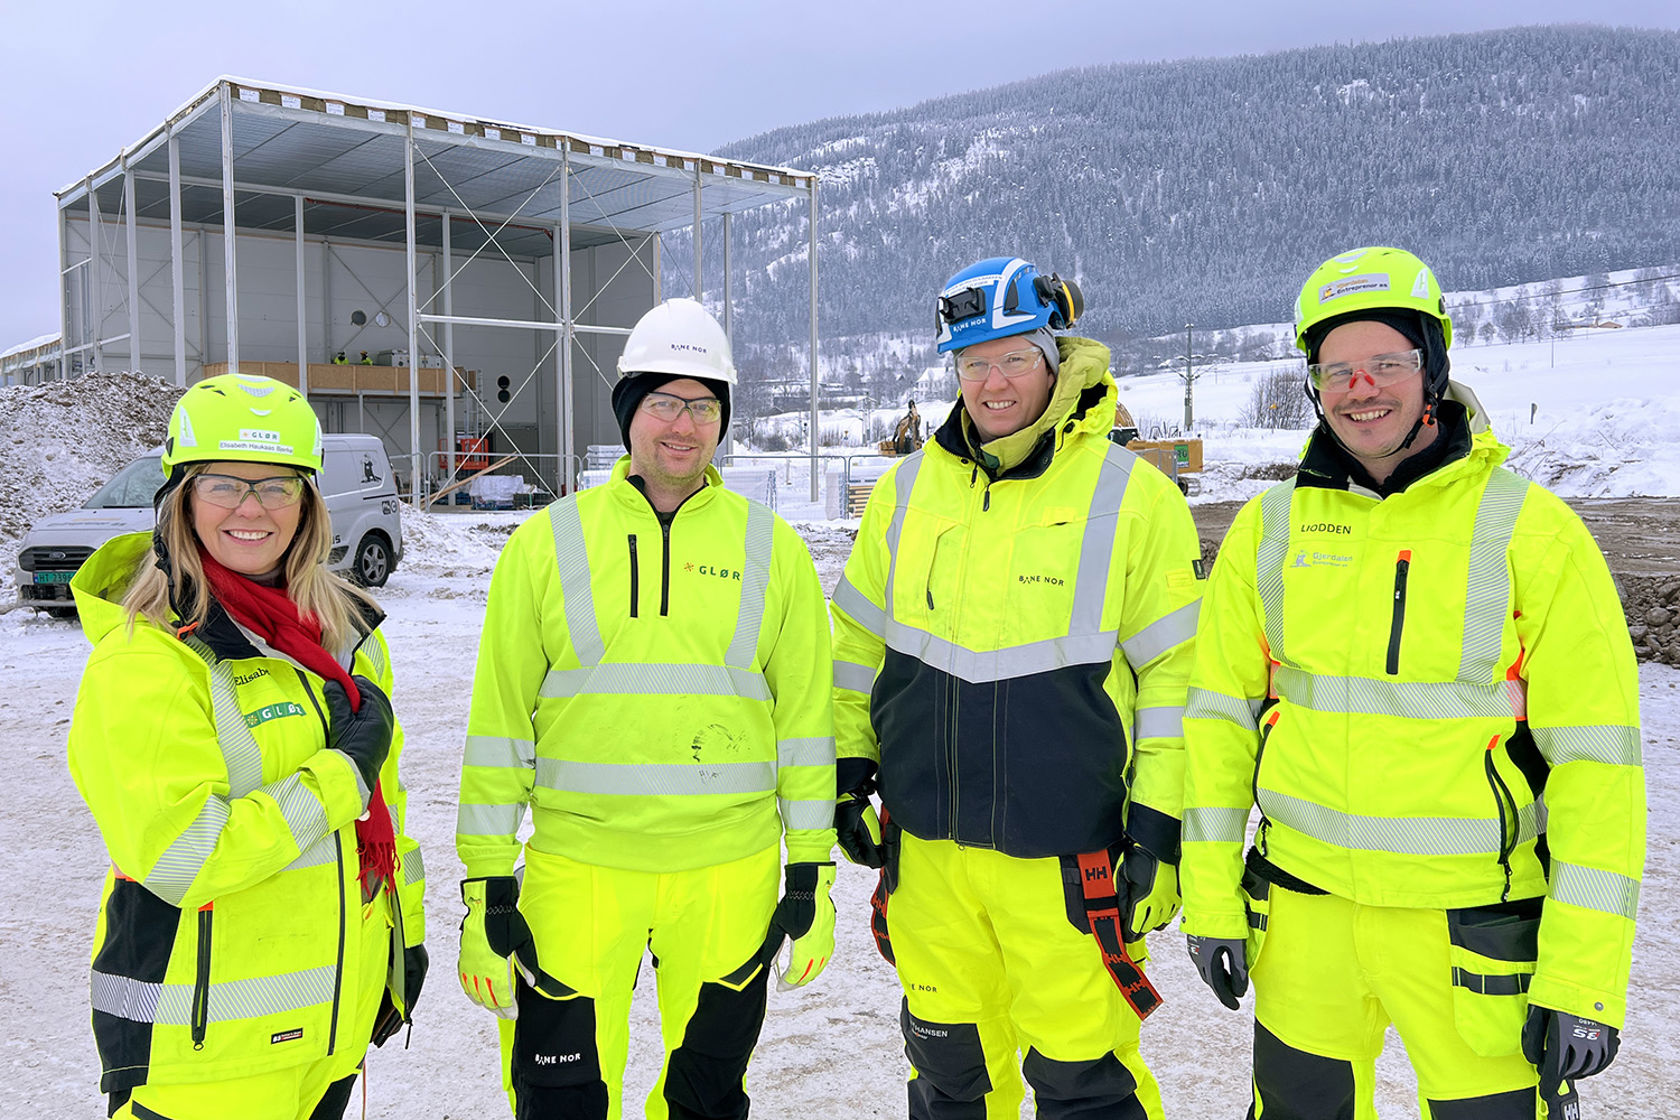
x,y
1353,285
255,445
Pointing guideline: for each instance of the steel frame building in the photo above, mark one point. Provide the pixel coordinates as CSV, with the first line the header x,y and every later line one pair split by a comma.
x,y
254,165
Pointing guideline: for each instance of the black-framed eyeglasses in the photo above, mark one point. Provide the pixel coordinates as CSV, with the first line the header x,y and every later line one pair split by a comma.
x,y
668,406
228,491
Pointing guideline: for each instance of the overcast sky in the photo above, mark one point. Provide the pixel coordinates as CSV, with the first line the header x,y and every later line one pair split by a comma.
x,y
83,78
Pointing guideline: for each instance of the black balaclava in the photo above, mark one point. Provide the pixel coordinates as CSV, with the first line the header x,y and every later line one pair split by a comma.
x,y
628,393
1422,331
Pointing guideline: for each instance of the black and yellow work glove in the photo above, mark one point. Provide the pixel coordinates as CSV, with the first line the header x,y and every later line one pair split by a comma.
x,y
495,940
806,915
1151,887
856,826
1565,1047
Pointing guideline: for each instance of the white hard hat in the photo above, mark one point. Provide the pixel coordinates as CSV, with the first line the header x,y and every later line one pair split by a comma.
x,y
679,337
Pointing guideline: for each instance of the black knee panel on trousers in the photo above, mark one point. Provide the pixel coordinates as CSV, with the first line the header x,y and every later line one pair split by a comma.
x,y
1099,1089
332,1104
951,1081
556,1067
704,1078
1295,1085
1518,1104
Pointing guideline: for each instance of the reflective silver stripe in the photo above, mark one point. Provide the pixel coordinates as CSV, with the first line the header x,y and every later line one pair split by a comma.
x,y
755,580
173,874
1163,634
1159,723
1487,602
375,653
1215,826
304,814
629,679
1588,887
1204,704
805,752
498,750
240,753
1531,821
488,820
852,676
807,815
860,610
1406,699
413,868
904,481
1275,506
1418,836
573,558
318,854
648,779
171,1004
1096,547
1009,663
1614,746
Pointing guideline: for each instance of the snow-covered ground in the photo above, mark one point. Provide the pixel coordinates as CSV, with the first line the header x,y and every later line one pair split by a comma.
x,y
829,1051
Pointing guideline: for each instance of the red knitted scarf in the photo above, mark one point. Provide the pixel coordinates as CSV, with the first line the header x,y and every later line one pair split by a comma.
x,y
270,613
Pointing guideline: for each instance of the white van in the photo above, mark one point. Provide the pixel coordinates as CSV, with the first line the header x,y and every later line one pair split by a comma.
x,y
355,479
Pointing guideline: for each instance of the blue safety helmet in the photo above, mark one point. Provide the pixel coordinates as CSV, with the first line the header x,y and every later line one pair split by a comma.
x,y
1003,296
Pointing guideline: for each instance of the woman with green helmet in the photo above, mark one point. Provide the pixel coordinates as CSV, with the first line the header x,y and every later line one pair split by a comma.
x,y
261,922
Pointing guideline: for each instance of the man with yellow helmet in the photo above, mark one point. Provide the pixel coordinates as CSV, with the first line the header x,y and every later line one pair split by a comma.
x,y
1415,663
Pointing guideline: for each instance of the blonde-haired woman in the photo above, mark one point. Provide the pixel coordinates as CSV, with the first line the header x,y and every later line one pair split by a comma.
x,y
261,921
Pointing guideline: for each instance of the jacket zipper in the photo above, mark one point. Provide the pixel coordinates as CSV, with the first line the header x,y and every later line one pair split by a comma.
x,y
338,972
1501,799
633,575
665,570
1260,753
1402,566
200,1018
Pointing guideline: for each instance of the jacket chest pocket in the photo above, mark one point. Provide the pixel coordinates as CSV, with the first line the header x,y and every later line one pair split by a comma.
x,y
1043,570
928,574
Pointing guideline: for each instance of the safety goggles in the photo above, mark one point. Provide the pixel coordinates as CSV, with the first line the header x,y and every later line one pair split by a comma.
x,y
228,492
667,407
972,367
1379,370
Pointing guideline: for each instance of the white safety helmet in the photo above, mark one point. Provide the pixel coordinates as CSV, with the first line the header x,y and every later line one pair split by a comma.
x,y
679,338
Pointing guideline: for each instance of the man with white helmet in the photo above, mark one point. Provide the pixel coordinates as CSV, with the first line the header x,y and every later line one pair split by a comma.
x,y
653,681
1012,646
1415,663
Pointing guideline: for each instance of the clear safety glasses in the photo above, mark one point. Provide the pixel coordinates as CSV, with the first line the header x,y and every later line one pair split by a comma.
x,y
1379,369
228,492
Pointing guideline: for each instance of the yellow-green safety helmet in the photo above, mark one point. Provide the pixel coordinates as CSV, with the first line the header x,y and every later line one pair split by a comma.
x,y
235,417
1373,278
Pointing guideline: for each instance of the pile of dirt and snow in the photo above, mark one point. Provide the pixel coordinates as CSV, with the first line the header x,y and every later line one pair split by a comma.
x,y
65,439
1652,606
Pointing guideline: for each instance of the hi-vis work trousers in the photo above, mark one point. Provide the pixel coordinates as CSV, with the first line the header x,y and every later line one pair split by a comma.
x,y
564,1059
1330,975
992,963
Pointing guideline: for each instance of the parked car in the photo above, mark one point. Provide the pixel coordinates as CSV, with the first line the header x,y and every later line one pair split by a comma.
x,y
355,479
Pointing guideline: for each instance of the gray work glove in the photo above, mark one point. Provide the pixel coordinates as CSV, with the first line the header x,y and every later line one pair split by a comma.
x,y
1565,1047
363,734
1223,966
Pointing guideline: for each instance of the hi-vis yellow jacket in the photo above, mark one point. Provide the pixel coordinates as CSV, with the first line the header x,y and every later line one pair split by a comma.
x,y
655,692
1014,653
221,945
1416,690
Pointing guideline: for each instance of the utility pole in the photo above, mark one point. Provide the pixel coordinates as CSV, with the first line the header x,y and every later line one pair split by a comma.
x,y
1189,380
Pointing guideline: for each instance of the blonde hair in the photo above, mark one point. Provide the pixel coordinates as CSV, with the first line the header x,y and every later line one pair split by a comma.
x,y
319,594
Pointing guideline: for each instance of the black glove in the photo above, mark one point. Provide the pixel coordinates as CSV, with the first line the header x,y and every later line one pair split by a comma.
x,y
859,830
1223,965
1565,1047
365,734
390,1019
798,906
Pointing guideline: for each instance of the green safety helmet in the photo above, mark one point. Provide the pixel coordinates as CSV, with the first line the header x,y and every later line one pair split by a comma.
x,y
235,417
1372,279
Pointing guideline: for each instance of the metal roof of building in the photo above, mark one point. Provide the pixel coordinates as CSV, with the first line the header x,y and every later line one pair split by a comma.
x,y
346,157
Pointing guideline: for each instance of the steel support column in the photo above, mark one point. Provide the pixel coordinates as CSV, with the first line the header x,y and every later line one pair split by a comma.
x,y
449,348
96,279
63,296
131,243
413,321
302,307
811,253
230,259
177,264
697,215
728,304
567,444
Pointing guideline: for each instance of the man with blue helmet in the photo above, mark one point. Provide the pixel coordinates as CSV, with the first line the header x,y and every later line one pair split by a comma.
x,y
1012,642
